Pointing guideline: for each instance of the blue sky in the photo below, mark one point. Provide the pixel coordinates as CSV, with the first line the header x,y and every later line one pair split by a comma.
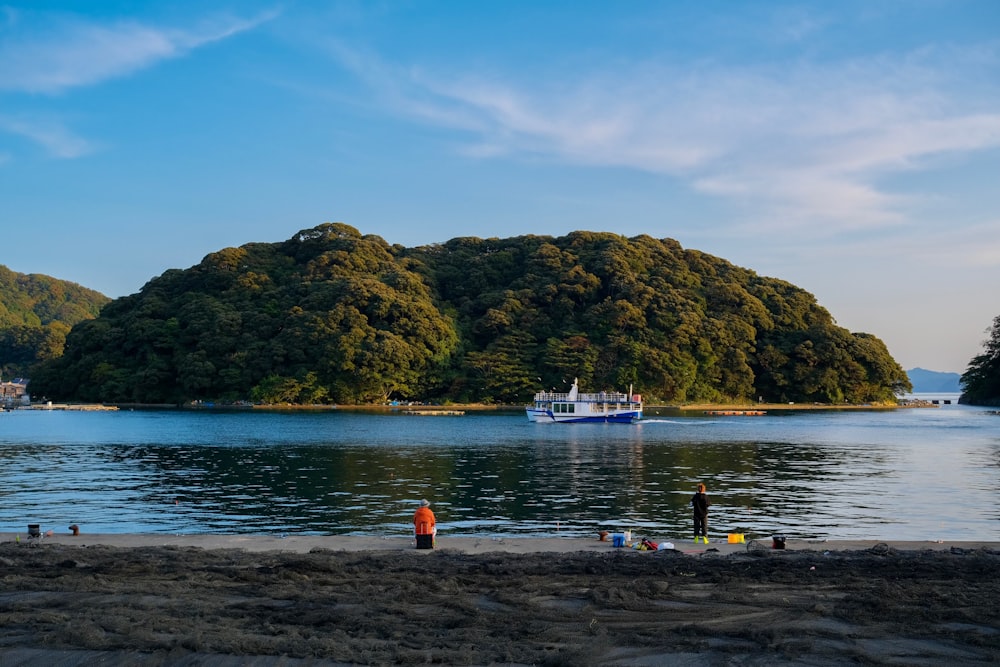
x,y
851,148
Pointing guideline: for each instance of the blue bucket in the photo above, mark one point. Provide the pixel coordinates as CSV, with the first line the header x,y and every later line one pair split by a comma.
x,y
618,540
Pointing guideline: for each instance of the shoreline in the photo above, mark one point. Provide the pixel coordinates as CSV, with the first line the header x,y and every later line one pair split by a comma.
x,y
903,404
465,545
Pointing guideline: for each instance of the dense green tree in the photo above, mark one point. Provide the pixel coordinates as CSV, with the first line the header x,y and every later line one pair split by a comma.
x,y
981,379
680,324
332,315
36,313
328,316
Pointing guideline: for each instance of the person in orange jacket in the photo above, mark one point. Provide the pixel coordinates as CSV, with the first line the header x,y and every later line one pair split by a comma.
x,y
424,525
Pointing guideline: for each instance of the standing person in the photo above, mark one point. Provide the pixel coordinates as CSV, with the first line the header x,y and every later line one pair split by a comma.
x,y
424,526
699,501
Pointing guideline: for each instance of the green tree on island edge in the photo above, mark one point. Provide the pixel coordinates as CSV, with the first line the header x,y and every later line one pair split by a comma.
x,y
981,380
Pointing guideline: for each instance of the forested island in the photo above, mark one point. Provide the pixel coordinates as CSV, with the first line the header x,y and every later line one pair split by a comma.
x,y
334,316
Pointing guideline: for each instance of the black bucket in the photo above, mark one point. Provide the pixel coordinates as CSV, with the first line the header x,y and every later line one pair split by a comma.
x,y
34,530
777,541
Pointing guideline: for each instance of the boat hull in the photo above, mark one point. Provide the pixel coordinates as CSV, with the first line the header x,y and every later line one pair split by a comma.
x,y
548,417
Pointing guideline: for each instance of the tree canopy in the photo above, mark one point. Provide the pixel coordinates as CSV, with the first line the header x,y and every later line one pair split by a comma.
x,y
332,315
36,313
981,380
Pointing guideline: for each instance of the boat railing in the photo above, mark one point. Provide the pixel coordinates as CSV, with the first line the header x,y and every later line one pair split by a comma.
x,y
548,396
600,397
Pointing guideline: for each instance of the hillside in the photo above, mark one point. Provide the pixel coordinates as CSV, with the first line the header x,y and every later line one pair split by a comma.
x,y
334,316
36,313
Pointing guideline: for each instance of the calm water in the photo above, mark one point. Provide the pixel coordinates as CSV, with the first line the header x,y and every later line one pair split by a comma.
x,y
905,474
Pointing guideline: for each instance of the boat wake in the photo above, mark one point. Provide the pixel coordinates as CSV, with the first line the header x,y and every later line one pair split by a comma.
x,y
686,422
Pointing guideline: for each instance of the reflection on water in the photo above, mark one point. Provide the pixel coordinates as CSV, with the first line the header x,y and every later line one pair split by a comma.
x,y
913,474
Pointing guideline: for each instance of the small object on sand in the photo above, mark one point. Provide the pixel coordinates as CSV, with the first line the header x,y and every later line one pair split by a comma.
x,y
602,536
75,528
49,533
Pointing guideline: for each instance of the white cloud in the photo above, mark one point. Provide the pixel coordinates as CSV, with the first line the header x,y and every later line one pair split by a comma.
x,y
70,52
807,143
49,54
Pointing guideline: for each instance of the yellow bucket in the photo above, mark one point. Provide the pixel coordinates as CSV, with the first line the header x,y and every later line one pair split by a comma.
x,y
736,538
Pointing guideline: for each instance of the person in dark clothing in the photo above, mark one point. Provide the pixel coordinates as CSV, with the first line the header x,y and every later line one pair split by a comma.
x,y
699,501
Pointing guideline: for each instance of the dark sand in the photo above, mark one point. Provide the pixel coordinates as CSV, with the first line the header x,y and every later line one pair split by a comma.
x,y
65,604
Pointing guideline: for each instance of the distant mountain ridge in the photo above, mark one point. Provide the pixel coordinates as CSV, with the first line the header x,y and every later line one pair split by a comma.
x,y
36,313
925,381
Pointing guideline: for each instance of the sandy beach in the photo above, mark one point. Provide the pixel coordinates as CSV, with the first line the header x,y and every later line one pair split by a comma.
x,y
371,600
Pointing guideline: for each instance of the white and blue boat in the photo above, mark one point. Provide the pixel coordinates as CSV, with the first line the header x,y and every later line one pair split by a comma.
x,y
575,407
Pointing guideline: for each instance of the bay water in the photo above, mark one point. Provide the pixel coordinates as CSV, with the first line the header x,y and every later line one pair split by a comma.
x,y
918,474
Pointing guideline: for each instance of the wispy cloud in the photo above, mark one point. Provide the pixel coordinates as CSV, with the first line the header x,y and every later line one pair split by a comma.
x,y
978,247
57,139
805,143
933,251
50,54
